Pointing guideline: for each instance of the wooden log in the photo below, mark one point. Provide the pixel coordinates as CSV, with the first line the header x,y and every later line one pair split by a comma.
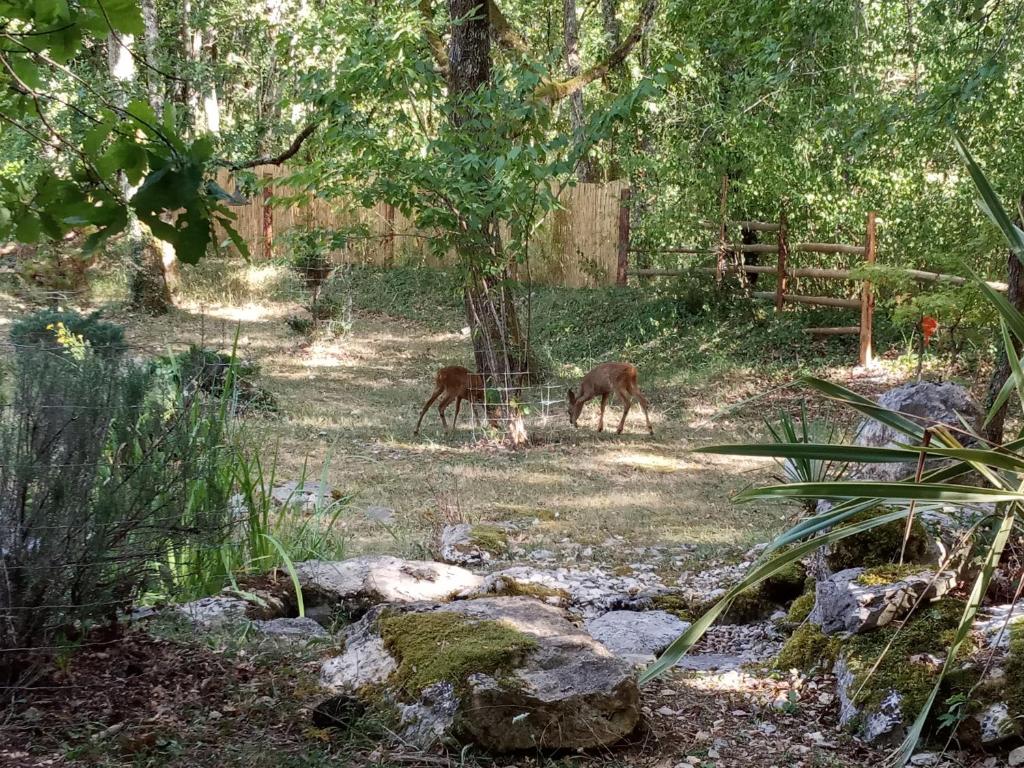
x,y
756,248
837,331
867,296
856,250
623,256
939,277
679,249
818,301
758,226
827,274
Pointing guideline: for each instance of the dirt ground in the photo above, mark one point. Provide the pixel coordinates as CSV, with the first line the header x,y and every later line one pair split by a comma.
x,y
350,405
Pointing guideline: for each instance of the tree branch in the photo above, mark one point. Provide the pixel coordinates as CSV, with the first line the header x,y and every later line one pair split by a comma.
x,y
433,39
557,91
280,159
502,30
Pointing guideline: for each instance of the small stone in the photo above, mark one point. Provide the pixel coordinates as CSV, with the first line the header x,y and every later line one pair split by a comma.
x,y
666,711
925,759
713,753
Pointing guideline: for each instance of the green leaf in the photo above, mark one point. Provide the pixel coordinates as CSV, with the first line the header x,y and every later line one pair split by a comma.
x,y
755,575
28,228
957,494
990,203
125,16
865,406
126,155
825,451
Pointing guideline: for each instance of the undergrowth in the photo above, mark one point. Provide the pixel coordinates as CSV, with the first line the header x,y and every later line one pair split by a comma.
x,y
673,331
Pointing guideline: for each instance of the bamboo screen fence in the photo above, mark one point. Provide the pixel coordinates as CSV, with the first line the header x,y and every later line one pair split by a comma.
x,y
575,246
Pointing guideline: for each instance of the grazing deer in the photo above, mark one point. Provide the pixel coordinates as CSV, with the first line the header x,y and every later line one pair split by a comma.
x,y
458,384
604,380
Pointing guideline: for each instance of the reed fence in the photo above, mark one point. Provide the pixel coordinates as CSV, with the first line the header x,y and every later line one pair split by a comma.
x,y
576,245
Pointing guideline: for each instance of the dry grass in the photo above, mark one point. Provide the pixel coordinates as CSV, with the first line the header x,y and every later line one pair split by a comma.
x,y
353,402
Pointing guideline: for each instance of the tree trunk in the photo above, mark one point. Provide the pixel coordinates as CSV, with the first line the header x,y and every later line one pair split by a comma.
x,y
1001,373
148,285
584,167
490,305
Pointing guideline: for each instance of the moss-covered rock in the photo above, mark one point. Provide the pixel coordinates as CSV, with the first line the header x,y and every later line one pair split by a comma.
x,y
879,546
675,604
808,648
896,658
492,538
449,647
801,608
890,573
1015,671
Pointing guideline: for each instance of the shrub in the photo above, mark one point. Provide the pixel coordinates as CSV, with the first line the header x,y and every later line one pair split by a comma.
x,y
99,481
44,329
198,369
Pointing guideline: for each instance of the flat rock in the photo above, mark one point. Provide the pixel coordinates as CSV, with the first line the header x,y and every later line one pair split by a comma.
x,y
636,635
294,629
567,692
362,582
306,496
843,605
590,593
214,612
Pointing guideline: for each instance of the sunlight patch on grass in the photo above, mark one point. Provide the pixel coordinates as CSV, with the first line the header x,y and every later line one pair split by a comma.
x,y
648,462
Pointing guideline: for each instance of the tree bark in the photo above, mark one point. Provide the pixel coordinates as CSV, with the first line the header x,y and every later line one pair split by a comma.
x,y
490,304
148,286
584,166
1001,373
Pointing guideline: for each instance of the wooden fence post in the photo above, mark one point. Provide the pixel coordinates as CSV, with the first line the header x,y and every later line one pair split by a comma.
x,y
268,223
623,261
782,266
723,212
867,297
389,236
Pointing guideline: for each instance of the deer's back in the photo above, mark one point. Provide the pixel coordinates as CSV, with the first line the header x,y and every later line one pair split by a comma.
x,y
607,377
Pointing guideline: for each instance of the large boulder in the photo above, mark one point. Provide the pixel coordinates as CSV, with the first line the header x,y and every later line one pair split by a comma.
x,y
927,404
859,600
506,673
637,636
362,582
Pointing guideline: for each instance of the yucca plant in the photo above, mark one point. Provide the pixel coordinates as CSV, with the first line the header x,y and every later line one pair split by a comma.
x,y
796,431
981,474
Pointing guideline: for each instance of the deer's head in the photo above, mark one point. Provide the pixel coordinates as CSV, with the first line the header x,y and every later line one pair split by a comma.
x,y
575,406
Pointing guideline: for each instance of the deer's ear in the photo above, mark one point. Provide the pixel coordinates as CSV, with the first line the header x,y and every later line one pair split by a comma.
x,y
571,396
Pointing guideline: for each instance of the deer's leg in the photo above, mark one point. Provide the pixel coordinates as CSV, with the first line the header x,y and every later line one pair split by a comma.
x,y
426,407
627,401
643,407
600,419
455,418
445,402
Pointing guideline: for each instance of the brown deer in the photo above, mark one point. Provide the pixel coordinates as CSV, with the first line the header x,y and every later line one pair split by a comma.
x,y
458,384
604,380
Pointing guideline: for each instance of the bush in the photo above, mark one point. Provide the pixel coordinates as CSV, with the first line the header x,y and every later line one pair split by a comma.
x,y
44,329
100,481
198,369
